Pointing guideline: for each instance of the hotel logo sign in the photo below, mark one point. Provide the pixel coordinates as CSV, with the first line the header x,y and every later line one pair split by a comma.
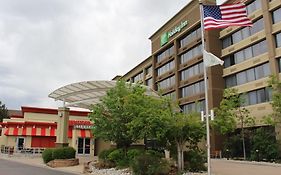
x,y
83,127
165,36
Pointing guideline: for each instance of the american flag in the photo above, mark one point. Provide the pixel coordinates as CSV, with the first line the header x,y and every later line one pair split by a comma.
x,y
225,15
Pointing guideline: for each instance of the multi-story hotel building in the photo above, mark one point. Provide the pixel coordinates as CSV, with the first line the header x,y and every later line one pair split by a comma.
x,y
250,55
175,67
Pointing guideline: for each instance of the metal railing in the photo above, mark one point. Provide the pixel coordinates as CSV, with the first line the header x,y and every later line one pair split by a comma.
x,y
21,150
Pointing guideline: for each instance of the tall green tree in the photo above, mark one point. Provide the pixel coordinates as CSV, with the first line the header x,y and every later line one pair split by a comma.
x,y
126,114
3,112
232,113
185,131
275,84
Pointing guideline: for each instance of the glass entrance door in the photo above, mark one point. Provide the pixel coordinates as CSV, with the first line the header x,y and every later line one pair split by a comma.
x,y
84,146
20,143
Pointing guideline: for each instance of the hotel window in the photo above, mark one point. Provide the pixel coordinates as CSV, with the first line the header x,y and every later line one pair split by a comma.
x,y
247,75
253,6
276,16
171,95
190,37
194,107
278,40
243,33
149,83
166,83
148,70
245,54
258,96
168,52
193,89
192,71
138,77
187,56
165,68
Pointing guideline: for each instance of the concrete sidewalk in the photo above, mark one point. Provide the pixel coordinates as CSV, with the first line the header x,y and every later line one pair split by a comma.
x,y
233,167
38,161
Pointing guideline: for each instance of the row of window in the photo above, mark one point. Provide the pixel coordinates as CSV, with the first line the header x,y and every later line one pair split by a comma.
x,y
253,6
247,75
193,89
245,54
194,107
276,16
148,70
258,96
195,51
166,83
278,40
171,95
192,71
138,77
243,33
165,68
149,83
168,52
195,34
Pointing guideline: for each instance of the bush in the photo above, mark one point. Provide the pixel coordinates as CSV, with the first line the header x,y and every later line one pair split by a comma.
x,y
119,158
104,154
47,155
264,145
58,153
133,153
150,164
69,152
195,160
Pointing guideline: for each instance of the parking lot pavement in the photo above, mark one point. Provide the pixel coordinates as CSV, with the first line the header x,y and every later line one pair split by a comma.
x,y
38,162
231,167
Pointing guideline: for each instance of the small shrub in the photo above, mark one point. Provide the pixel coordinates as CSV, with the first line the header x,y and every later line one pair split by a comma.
x,y
119,158
264,145
195,160
116,155
47,155
150,164
104,154
133,153
58,153
69,152
155,153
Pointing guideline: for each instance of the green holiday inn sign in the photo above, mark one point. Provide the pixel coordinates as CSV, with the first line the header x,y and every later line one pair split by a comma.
x,y
165,36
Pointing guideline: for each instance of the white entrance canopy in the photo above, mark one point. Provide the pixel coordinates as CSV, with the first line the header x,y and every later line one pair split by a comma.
x,y
86,93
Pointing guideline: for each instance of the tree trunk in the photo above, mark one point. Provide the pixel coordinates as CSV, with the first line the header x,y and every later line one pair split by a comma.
x,y
180,156
243,142
243,137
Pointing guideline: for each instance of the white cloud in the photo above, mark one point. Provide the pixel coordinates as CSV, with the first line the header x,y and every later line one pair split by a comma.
x,y
46,44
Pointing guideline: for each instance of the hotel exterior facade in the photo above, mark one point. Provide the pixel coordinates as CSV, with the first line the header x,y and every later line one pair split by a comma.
x,y
175,67
250,55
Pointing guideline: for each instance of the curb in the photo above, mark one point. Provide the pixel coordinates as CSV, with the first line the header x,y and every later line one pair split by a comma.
x,y
250,162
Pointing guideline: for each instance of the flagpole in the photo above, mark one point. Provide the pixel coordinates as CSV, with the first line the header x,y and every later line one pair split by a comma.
x,y
206,92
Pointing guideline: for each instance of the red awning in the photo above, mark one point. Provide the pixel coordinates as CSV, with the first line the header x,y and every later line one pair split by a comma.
x,y
85,133
49,131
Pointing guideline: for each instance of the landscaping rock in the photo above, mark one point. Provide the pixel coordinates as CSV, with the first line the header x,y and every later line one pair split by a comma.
x,y
63,163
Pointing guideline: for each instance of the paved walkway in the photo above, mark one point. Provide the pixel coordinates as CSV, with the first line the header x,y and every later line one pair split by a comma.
x,y
38,161
218,166
231,167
